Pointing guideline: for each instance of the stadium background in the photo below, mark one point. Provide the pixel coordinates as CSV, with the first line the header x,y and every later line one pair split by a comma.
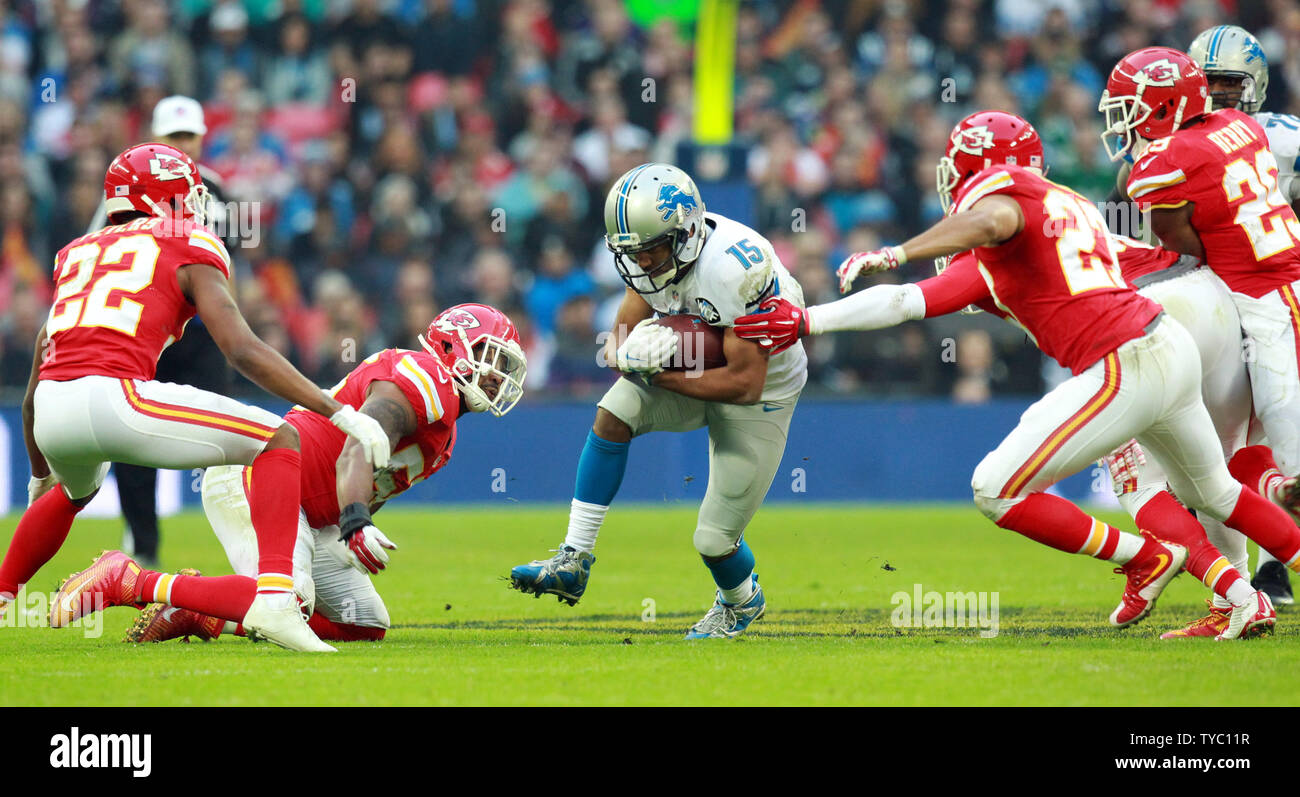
x,y
411,155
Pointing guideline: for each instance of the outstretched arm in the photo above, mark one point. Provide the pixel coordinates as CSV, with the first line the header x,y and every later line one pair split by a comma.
x,y
354,477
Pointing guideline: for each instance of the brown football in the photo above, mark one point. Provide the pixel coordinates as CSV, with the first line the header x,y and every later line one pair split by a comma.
x,y
699,346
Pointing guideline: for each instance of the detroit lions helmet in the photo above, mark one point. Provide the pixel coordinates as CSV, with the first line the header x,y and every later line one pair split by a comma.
x,y
1227,51
654,204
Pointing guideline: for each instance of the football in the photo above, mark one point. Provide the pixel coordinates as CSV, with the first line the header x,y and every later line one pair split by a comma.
x,y
699,346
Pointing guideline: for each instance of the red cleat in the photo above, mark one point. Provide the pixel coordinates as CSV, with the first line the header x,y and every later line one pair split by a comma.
x,y
159,622
109,581
1211,625
1148,574
1253,618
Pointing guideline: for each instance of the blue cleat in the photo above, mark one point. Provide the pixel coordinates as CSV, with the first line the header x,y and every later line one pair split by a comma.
x,y
563,575
725,620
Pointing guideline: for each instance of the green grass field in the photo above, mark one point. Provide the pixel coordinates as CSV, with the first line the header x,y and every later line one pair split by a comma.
x,y
460,637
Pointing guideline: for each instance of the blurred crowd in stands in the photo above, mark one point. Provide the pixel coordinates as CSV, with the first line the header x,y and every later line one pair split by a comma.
x,y
408,155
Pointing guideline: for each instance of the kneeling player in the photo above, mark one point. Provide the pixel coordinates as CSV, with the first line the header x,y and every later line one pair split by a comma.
x,y
473,362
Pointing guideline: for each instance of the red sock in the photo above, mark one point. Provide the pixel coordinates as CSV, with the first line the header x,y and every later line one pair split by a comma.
x,y
1267,524
40,534
326,628
1059,524
1253,466
226,597
1164,517
273,498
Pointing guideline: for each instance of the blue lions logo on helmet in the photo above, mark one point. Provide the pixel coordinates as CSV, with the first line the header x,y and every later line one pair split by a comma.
x,y
671,198
1253,51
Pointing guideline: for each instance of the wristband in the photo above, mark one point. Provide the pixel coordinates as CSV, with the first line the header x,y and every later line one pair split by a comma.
x,y
354,516
899,254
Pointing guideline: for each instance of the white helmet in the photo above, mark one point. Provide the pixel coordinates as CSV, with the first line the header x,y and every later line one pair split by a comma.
x,y
654,203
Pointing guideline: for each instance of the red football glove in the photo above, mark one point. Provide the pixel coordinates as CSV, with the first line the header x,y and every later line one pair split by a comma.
x,y
776,326
367,547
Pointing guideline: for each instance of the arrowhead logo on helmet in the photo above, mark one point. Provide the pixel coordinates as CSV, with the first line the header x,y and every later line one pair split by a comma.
x,y
973,140
1159,73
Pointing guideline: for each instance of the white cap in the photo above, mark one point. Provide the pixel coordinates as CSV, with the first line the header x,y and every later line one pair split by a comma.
x,y
177,114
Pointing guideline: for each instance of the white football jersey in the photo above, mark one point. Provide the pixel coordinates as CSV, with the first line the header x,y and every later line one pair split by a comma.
x,y
736,270
1284,140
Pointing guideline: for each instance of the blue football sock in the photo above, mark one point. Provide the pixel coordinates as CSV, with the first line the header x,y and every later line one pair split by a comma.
x,y
600,470
732,571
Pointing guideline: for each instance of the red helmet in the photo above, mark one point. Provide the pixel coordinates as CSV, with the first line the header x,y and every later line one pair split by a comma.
x,y
156,180
982,140
481,347
1151,93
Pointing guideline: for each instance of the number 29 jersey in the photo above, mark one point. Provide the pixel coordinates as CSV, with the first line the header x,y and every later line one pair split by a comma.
x,y
1059,277
117,303
1224,166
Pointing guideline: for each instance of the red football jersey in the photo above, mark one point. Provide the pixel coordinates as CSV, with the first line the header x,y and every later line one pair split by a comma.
x,y
117,304
426,383
1058,277
1223,164
960,285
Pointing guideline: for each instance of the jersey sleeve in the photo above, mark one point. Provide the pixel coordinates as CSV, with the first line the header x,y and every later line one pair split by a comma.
x,y
959,285
425,383
195,245
1157,179
737,280
1283,133
991,181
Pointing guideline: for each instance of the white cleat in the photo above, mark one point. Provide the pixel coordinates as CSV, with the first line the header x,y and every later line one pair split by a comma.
x,y
1253,618
284,626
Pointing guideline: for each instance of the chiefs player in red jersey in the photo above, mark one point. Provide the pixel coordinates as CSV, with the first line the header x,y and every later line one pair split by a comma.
x,y
472,362
1046,262
1211,182
123,294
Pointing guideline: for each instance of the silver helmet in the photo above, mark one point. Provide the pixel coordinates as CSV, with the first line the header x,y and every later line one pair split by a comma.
x,y
1228,51
650,205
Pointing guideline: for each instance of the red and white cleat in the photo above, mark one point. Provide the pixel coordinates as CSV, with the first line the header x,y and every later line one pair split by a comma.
x,y
109,581
1253,618
1147,575
1211,625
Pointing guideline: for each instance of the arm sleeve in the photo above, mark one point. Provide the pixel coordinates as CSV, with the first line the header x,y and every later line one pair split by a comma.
x,y
875,308
959,285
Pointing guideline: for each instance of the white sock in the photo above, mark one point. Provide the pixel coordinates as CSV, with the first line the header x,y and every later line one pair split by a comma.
x,y
739,593
1127,548
229,627
1238,593
584,524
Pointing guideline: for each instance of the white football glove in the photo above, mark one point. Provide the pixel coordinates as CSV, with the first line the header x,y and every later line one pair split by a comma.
x,y
647,349
1123,465
38,487
368,549
367,432
891,257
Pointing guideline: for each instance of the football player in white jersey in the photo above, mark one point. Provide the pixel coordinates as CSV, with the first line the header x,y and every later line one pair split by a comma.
x,y
677,259
1237,71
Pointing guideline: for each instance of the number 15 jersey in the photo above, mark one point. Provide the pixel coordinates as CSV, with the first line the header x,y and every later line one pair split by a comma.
x,y
117,303
1059,277
1223,165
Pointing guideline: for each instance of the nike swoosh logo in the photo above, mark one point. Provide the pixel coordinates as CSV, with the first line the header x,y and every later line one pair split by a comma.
x,y
770,408
1157,572
66,603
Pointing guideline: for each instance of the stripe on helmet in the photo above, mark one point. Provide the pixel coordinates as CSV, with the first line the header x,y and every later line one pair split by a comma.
x,y
1212,52
620,208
